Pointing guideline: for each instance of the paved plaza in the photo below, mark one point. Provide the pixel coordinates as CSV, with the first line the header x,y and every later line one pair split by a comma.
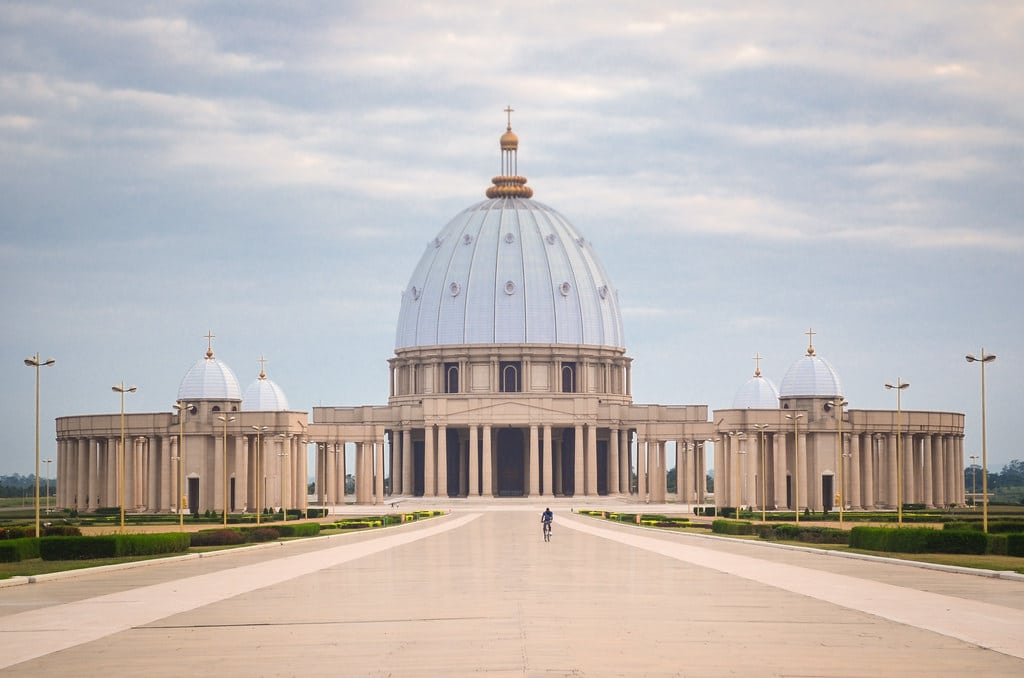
x,y
478,591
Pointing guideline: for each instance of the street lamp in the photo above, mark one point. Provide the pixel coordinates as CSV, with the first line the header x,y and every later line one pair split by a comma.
x,y
35,362
47,462
761,428
259,454
839,404
182,408
796,463
122,389
974,481
282,455
899,388
739,466
985,358
224,452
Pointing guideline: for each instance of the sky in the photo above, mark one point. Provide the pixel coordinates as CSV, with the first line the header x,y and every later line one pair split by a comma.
x,y
272,172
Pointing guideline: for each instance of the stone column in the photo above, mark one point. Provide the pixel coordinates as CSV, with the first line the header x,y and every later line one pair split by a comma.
x,y
642,470
658,490
856,499
442,461
958,474
579,489
112,495
340,465
591,461
803,497
891,497
625,465
397,473
534,488
927,471
909,469
487,489
548,464
474,461
938,490
378,447
408,482
613,462
429,470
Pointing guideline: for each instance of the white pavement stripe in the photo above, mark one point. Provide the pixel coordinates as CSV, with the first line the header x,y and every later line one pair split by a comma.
x,y
984,624
36,633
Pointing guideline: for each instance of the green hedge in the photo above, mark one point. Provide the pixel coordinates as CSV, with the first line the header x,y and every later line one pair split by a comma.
x,y
16,550
732,527
23,531
112,546
1015,545
807,535
299,529
221,537
994,526
917,540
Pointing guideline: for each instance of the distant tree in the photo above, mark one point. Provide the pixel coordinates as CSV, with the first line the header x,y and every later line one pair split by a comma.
x,y
1012,474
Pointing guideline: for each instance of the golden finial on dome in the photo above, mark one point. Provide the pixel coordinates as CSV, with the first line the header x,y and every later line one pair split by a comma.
x,y
509,184
810,340
262,361
757,364
209,344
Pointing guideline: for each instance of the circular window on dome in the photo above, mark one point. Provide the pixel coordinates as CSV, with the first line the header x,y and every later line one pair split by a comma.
x,y
467,239
455,288
581,242
415,293
603,291
436,242
564,288
510,287
550,237
509,238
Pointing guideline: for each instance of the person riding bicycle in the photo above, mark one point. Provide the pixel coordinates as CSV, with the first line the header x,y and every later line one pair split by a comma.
x,y
546,519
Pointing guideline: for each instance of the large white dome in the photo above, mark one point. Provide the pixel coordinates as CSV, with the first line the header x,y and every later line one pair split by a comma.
x,y
509,270
811,376
263,395
209,379
757,394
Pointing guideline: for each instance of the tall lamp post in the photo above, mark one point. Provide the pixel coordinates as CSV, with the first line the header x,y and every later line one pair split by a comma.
x,y
899,388
224,454
984,358
122,389
259,453
35,362
182,408
974,481
838,404
761,428
796,463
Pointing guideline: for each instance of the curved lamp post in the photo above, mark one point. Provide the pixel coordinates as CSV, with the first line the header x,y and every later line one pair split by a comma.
x,y
122,389
985,358
224,452
35,362
761,428
796,463
182,408
899,388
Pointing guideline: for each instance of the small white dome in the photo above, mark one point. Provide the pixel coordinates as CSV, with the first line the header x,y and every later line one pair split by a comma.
x,y
263,395
757,394
811,377
209,379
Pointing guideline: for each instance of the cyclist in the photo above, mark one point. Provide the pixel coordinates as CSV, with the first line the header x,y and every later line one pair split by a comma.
x,y
545,519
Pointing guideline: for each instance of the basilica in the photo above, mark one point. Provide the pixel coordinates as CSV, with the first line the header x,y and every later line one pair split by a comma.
x,y
510,378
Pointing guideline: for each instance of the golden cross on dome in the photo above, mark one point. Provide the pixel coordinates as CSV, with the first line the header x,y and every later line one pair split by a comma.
x,y
810,340
757,364
262,361
209,343
509,111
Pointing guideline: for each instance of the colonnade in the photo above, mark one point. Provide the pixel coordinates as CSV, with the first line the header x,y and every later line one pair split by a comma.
x,y
89,470
930,469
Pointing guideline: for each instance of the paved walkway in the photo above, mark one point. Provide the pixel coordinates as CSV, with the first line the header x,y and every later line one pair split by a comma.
x,y
479,592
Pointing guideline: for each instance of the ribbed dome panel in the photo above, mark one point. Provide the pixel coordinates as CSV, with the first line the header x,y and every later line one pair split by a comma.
x,y
757,394
263,395
509,270
811,376
209,379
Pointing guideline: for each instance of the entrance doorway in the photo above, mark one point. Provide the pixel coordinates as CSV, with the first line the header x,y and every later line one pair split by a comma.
x,y
193,495
511,468
827,493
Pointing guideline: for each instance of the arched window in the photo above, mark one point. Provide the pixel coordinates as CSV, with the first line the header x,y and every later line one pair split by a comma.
x,y
568,377
451,378
215,408
510,377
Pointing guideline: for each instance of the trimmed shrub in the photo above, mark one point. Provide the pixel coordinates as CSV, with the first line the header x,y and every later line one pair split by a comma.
x,y
151,544
996,545
353,525
16,550
917,540
261,534
221,537
112,546
299,530
732,527
1015,545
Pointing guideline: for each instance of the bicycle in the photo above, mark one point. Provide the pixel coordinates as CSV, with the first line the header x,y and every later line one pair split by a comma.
x,y
547,530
